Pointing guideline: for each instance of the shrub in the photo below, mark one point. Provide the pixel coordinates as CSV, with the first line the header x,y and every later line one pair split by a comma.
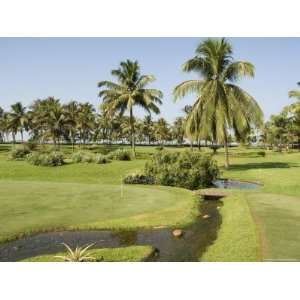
x,y
159,148
19,153
101,159
191,170
261,153
52,159
138,178
82,157
120,154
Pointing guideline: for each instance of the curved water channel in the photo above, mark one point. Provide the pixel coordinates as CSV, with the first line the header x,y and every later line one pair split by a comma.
x,y
190,247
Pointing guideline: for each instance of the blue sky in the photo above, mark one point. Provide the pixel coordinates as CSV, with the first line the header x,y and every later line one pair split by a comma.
x,y
69,68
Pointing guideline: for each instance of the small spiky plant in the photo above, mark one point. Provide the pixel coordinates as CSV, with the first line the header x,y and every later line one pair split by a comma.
x,y
77,255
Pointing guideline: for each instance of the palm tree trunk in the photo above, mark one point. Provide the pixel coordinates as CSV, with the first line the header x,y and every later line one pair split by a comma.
x,y
226,150
132,132
22,136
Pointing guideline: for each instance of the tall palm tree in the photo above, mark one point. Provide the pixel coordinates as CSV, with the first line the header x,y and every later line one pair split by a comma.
x,y
148,128
1,129
71,111
129,91
221,105
85,121
295,93
178,130
18,119
161,129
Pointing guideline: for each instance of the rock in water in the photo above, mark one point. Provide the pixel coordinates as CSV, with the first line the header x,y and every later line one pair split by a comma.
x,y
206,216
177,232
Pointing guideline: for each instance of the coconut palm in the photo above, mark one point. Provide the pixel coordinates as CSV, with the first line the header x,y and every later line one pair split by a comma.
x,y
295,93
161,130
221,105
71,111
85,121
4,125
18,120
129,91
178,129
147,128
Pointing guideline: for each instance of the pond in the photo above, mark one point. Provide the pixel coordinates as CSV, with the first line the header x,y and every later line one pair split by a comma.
x,y
235,184
195,240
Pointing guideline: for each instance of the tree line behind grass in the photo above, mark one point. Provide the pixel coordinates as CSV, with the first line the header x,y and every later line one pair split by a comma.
x,y
221,107
282,131
50,121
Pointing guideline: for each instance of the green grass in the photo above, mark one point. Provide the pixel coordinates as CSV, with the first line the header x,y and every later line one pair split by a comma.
x,y
237,240
124,254
256,225
275,207
84,196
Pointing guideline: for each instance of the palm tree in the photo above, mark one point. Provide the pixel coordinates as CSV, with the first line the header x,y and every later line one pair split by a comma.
x,y
148,128
47,119
18,119
85,121
221,105
71,111
178,130
161,129
295,93
1,121
129,91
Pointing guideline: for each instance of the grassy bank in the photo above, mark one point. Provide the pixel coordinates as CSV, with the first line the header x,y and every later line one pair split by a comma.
x,y
125,254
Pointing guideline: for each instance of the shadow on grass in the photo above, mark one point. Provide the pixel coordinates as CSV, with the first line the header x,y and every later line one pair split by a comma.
x,y
262,165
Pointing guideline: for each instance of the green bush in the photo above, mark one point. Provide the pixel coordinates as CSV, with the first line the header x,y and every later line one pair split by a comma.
x,y
101,159
138,178
188,169
52,159
83,157
120,154
19,153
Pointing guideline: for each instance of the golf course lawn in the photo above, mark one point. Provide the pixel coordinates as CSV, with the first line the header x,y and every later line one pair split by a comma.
x,y
275,207
260,224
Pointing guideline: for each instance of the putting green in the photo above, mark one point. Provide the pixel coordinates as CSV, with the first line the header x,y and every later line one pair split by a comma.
x,y
28,206
277,217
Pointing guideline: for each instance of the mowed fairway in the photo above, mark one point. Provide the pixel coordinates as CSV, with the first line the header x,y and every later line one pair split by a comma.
x,y
84,196
275,207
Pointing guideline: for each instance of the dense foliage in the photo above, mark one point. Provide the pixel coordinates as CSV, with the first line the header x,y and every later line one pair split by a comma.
x,y
188,169
52,159
120,154
19,153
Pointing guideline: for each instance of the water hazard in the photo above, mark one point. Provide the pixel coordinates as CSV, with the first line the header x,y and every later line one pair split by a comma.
x,y
197,237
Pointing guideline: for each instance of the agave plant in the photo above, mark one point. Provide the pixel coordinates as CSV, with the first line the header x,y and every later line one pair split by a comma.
x,y
77,255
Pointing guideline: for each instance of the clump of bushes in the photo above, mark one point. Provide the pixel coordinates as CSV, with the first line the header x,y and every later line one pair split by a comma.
x,y
120,154
19,153
101,159
138,178
188,169
83,157
52,159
